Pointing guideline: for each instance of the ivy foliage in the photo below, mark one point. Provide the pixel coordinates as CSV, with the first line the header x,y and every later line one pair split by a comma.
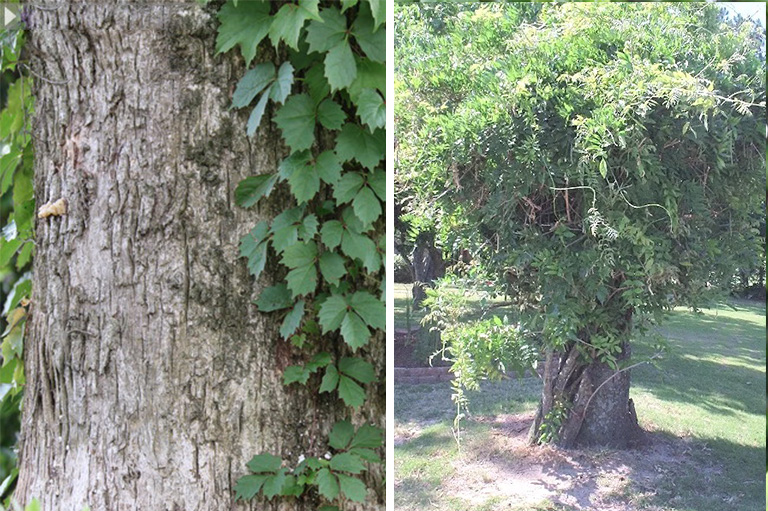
x,y
611,172
327,100
17,208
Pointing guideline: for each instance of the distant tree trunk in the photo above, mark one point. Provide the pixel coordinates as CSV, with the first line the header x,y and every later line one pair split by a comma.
x,y
591,400
151,378
427,264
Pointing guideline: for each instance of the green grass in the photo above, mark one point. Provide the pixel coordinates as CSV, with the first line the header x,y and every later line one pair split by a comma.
x,y
709,389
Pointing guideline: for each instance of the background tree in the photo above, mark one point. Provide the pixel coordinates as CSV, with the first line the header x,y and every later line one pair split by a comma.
x,y
151,376
611,156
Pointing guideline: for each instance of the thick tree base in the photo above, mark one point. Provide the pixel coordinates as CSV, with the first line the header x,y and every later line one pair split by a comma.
x,y
588,404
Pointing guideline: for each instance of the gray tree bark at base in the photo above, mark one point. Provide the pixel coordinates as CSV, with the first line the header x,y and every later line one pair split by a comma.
x,y
599,411
151,378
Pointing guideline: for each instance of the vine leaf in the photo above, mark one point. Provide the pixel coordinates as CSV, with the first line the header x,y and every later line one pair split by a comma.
x,y
373,42
332,312
359,246
244,25
332,267
331,234
340,66
285,228
347,187
296,118
330,114
292,320
367,437
327,484
302,175
341,435
265,463
346,4
377,180
379,12
301,258
274,298
253,82
282,86
328,167
358,369
289,20
273,485
371,309
317,83
294,374
353,488
350,392
366,206
248,486
355,143
330,30
251,189
371,109
330,379
254,120
347,462
354,331
253,246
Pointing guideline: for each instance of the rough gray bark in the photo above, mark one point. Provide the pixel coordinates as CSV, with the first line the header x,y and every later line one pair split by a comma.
x,y
599,410
151,379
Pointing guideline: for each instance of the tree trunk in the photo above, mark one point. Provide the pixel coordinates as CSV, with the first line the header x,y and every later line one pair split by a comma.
x,y
151,378
586,402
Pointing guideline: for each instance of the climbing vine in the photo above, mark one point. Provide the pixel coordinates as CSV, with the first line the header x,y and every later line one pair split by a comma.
x,y
325,93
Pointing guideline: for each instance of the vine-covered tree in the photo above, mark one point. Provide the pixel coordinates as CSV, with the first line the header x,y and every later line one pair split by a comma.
x,y
611,154
160,374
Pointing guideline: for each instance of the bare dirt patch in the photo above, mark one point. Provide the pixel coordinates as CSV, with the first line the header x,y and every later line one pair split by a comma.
x,y
501,468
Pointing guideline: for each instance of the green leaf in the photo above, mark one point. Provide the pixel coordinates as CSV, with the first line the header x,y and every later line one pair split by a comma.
x,y
289,20
370,75
330,379
326,33
327,484
328,167
346,462
248,486
372,42
355,143
330,234
370,308
304,180
367,454
358,369
317,83
332,312
330,114
296,119
368,436
341,435
603,167
346,4
353,488
371,109
295,374
332,267
282,86
251,189
308,227
377,180
300,254
350,392
273,485
340,66
366,206
347,187
363,248
274,298
265,463
7,250
285,228
379,12
253,82
254,248
354,331
254,120
292,320
322,359
245,25
302,280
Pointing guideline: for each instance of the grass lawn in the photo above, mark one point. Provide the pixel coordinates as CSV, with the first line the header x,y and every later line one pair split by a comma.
x,y
705,408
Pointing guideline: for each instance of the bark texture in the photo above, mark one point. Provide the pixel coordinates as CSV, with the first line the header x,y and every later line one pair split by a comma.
x,y
151,379
592,399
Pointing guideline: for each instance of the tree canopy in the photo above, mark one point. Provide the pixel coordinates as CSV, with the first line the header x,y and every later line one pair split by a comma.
x,y
606,157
